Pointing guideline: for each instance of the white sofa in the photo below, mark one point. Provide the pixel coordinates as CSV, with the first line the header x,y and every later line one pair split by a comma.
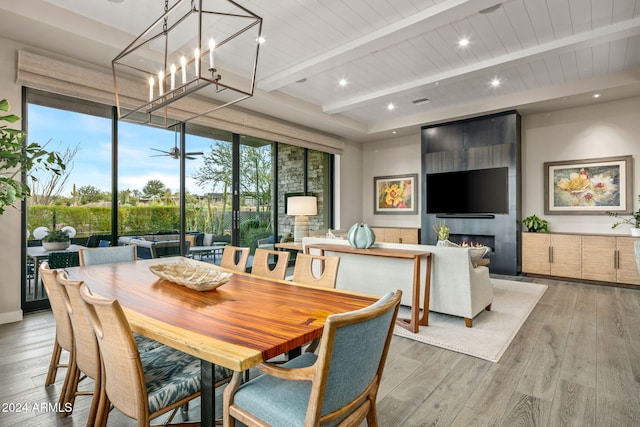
x,y
457,287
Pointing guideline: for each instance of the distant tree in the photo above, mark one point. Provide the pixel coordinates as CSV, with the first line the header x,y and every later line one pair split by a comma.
x,y
154,189
48,185
90,194
215,173
168,197
255,173
124,197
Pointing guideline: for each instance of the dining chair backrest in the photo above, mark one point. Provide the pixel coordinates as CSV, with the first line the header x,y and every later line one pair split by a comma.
x,y
355,347
235,258
107,255
87,352
124,376
64,331
140,384
344,376
262,267
317,270
63,259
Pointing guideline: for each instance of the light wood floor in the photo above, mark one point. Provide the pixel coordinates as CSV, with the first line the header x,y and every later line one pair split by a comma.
x,y
575,362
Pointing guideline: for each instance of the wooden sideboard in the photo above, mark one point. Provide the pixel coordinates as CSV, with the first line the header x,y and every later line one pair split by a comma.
x,y
606,258
397,234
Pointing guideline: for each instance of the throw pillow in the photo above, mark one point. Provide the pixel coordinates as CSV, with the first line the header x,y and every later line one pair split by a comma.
x,y
207,240
477,253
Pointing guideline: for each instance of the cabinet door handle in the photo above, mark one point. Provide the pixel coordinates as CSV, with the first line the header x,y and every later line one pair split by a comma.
x,y
616,259
550,253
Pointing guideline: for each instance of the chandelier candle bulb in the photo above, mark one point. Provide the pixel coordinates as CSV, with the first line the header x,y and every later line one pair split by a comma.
x,y
160,83
212,46
183,63
173,76
151,83
196,55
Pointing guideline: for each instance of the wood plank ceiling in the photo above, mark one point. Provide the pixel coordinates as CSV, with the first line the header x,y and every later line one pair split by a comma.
x,y
544,53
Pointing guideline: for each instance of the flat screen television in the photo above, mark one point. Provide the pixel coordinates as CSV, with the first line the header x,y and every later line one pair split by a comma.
x,y
472,192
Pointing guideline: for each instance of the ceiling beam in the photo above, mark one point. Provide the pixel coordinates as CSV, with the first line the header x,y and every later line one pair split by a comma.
x,y
434,17
599,36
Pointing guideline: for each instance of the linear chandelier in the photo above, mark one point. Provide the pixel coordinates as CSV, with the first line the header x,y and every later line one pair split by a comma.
x,y
171,73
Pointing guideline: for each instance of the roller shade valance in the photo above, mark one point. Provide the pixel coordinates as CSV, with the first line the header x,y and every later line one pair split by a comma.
x,y
79,80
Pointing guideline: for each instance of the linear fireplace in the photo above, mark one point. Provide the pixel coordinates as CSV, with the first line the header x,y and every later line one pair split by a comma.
x,y
476,240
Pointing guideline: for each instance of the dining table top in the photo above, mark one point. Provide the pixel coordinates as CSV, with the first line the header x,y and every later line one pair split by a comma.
x,y
240,324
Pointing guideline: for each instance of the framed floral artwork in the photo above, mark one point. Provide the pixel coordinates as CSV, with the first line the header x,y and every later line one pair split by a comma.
x,y
589,186
395,194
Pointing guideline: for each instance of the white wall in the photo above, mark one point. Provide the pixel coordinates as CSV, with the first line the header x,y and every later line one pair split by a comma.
x,y
604,129
392,157
10,239
348,189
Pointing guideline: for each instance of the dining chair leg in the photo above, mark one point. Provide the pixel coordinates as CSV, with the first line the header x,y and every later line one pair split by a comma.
x,y
104,406
54,364
70,386
95,403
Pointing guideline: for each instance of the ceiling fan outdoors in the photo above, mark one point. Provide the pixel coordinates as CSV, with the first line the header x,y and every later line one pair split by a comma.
x,y
175,152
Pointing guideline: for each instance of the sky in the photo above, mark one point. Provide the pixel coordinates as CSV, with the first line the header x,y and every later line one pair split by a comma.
x,y
59,129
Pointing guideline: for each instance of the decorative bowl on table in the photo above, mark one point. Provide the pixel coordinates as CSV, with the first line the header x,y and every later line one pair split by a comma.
x,y
191,275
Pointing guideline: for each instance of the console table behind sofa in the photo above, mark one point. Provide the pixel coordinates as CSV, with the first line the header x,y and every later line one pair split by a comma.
x,y
457,288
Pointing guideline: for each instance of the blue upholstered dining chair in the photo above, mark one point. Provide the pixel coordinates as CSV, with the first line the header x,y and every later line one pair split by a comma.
x,y
107,255
337,386
145,385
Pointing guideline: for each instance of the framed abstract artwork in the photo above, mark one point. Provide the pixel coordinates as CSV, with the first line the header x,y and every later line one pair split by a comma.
x,y
395,194
589,186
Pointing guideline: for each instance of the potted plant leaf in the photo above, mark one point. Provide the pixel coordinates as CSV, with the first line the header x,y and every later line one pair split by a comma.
x,y
442,233
633,220
535,224
56,240
16,157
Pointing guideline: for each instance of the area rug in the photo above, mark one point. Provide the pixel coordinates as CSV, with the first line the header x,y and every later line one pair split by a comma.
x,y
492,331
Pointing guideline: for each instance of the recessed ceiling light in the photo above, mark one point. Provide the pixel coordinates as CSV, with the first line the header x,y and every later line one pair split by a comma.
x,y
463,42
116,1
390,106
261,40
596,95
394,132
342,82
495,82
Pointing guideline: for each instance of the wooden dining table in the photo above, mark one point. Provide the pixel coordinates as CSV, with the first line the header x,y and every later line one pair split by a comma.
x,y
244,322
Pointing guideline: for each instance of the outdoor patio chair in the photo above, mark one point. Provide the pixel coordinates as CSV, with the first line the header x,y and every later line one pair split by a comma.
x,y
63,259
